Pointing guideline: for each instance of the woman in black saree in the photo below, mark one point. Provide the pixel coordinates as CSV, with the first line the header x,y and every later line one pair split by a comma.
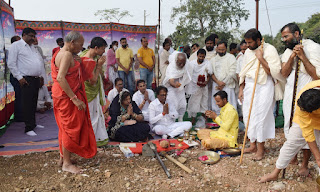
x,y
127,123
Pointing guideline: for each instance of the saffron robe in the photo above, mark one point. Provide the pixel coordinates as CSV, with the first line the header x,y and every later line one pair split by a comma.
x,y
75,129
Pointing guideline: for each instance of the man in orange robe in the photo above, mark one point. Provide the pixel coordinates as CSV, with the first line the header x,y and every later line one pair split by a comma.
x,y
70,102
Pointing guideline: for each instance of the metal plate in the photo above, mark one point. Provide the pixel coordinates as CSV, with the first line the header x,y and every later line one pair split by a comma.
x,y
193,132
213,157
232,151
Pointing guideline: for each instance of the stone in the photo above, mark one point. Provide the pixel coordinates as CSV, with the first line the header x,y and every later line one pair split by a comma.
x,y
278,186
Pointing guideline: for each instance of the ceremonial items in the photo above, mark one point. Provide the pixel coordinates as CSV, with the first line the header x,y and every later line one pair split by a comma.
x,y
209,157
176,162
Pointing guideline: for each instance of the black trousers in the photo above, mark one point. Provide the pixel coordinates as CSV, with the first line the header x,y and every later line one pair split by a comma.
x,y
18,114
29,101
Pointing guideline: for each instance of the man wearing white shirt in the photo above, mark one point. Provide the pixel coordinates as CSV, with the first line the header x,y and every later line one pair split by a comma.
x,y
162,116
26,66
167,40
116,90
143,97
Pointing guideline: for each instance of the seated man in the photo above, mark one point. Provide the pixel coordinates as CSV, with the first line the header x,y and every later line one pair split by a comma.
x,y
228,120
143,97
305,129
44,100
116,90
162,116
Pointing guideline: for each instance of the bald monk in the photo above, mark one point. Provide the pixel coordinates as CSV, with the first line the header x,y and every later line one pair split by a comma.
x,y
70,104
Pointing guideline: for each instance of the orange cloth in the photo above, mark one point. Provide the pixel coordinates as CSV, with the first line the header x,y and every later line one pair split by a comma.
x,y
75,129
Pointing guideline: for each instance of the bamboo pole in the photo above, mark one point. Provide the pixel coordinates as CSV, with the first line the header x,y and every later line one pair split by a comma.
x,y
251,104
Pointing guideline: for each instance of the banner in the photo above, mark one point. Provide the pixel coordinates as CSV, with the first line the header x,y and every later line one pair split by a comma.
x,y
7,30
49,31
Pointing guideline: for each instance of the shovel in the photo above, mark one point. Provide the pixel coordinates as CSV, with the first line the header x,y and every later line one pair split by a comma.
x,y
150,150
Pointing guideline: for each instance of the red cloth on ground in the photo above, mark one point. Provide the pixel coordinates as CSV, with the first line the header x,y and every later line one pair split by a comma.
x,y
75,129
138,148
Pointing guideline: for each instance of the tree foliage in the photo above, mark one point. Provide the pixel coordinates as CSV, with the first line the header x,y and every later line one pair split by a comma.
x,y
112,14
198,18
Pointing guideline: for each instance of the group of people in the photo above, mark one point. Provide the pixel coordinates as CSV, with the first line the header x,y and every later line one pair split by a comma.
x,y
210,83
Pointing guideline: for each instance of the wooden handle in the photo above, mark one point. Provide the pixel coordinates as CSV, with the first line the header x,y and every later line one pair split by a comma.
x,y
178,163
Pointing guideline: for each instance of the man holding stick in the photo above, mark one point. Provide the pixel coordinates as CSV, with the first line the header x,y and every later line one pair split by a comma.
x,y
309,55
262,123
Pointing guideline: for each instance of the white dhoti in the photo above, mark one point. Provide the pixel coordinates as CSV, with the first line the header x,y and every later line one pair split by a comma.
x,y
98,121
198,102
173,130
262,123
295,142
177,96
231,97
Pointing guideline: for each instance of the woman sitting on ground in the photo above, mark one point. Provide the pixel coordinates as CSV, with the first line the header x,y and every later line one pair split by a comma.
x,y
127,123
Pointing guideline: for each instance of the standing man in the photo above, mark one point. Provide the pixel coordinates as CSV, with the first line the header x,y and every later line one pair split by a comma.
x,y
210,43
309,54
147,61
94,88
60,43
26,66
164,60
162,115
243,47
233,50
224,75
200,71
195,47
177,77
124,56
167,40
70,104
18,114
262,123
143,97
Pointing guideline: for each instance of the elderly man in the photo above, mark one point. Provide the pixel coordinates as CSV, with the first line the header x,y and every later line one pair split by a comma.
x,y
70,103
116,90
94,88
147,61
262,123
226,136
177,77
26,65
309,54
304,130
197,88
162,115
143,97
224,75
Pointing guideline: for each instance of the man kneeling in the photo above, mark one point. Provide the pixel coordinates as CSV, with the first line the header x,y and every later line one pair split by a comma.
x,y
162,116
228,120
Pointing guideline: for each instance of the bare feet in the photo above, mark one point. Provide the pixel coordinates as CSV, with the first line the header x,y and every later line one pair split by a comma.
x,y
71,168
60,162
250,150
258,156
267,178
273,176
303,171
294,161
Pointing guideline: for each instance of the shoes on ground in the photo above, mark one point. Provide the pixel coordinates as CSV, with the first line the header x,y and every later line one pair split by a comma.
x,y
31,133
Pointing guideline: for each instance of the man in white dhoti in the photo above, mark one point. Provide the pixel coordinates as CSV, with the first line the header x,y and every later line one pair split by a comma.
x,y
162,115
44,100
164,60
143,97
309,53
223,75
167,40
200,70
262,123
118,87
177,76
94,88
239,58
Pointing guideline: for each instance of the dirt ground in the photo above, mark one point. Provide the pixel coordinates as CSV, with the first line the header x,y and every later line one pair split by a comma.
x,y
111,171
